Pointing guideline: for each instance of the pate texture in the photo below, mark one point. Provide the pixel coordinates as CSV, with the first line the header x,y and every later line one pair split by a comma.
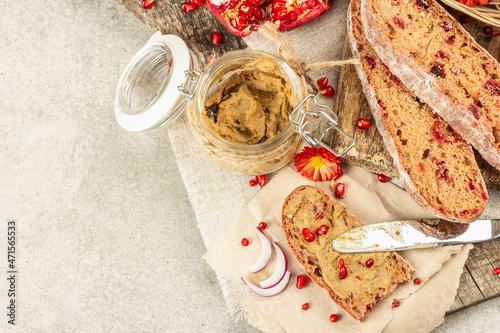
x,y
251,107
364,286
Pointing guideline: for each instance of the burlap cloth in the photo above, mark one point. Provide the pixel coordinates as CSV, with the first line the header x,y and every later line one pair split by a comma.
x,y
207,184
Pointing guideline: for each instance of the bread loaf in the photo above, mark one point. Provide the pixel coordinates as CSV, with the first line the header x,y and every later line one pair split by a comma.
x,y
436,166
365,285
436,58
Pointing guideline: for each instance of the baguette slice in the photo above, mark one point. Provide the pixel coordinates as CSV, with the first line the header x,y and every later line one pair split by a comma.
x,y
431,53
436,166
363,287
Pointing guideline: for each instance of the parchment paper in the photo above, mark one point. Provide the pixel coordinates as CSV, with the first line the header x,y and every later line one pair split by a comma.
x,y
370,201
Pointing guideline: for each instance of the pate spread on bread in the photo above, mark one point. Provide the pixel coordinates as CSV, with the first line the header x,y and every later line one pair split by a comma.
x,y
365,285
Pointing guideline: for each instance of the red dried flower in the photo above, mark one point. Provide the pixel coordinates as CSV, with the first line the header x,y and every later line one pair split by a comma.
x,y
317,164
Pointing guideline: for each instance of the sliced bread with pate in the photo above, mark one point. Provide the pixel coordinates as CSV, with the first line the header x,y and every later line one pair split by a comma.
x,y
370,277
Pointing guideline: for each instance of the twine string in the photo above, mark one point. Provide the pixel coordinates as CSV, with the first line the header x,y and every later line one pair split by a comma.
x,y
286,51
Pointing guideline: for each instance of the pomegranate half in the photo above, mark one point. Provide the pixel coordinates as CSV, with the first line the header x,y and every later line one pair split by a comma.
x,y
241,17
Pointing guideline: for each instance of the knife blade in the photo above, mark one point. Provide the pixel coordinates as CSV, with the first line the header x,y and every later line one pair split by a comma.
x,y
414,234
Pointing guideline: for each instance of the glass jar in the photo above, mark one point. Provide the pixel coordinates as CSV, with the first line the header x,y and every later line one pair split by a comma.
x,y
164,77
248,159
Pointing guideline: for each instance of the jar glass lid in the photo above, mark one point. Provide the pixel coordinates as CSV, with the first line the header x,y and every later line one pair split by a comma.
x,y
147,95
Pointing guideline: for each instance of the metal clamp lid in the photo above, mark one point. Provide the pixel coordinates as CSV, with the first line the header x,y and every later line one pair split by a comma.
x,y
193,76
332,119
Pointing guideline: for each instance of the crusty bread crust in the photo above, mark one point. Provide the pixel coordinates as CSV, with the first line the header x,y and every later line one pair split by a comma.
x,y
309,260
425,86
405,177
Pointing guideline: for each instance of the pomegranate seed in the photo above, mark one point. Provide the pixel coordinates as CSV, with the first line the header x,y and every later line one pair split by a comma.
x,y
198,3
215,38
277,4
220,8
383,178
292,17
305,306
342,272
362,124
496,271
254,2
280,14
299,11
319,216
338,175
495,33
312,3
341,262
339,190
246,8
333,318
308,235
239,23
395,304
417,281
261,179
188,7
322,230
244,242
147,4
369,263
323,82
302,281
466,19
252,19
252,182
242,23
487,30
262,225
328,92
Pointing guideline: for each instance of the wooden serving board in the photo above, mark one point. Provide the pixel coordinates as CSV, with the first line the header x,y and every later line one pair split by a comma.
x,y
477,283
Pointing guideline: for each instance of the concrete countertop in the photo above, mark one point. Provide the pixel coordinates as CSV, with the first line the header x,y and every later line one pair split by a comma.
x,y
106,237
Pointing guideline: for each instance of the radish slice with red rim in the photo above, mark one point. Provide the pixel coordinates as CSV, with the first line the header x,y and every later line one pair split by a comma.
x,y
268,292
279,271
265,253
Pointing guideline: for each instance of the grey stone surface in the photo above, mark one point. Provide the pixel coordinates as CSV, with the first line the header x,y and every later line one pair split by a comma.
x,y
106,237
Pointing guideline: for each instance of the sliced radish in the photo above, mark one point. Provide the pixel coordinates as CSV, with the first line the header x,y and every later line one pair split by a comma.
x,y
265,253
280,270
270,291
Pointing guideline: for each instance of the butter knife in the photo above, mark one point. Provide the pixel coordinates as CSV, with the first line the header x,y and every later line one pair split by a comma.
x,y
415,234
